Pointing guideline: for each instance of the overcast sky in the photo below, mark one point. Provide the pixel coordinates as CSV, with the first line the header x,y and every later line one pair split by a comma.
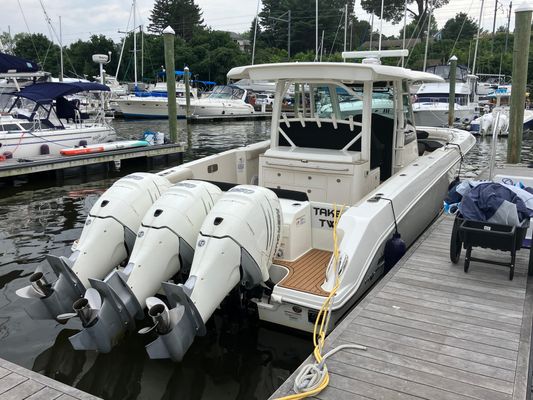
x,y
80,19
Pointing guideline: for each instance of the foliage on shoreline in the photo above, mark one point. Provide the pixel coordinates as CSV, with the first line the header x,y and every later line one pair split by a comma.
x,y
210,54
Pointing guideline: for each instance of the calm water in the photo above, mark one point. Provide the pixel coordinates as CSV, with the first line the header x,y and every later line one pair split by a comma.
x,y
239,358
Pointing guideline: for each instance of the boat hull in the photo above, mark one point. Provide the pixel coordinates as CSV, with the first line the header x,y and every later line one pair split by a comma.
x,y
26,144
366,228
435,114
147,108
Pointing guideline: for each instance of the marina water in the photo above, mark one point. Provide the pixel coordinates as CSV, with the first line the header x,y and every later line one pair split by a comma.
x,y
239,358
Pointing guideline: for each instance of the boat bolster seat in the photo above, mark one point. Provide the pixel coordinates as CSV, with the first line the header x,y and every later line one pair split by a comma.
x,y
428,145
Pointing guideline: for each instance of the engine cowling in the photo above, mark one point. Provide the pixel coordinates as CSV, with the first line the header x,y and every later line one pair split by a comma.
x,y
236,244
165,240
106,240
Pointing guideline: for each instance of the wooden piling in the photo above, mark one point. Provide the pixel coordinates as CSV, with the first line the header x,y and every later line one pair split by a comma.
x,y
451,98
187,92
522,34
168,38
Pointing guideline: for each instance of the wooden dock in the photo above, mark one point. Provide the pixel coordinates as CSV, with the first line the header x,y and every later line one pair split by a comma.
x,y
46,163
434,332
17,383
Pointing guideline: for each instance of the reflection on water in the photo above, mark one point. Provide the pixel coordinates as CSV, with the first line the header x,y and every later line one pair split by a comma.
x,y
240,358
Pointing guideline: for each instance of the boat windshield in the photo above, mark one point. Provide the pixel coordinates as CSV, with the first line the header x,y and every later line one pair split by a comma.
x,y
349,104
444,72
226,92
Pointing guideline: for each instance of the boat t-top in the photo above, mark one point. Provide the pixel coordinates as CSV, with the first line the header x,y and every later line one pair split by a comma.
x,y
41,120
280,223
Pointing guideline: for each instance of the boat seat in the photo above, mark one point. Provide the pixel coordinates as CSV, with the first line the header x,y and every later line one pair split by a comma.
x,y
422,134
428,145
331,138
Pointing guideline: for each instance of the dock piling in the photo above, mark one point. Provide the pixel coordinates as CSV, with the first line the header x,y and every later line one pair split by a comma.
x,y
187,92
168,38
522,34
451,99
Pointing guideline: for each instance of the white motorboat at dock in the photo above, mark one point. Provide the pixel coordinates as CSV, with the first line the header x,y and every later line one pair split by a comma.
x,y
270,235
40,120
431,105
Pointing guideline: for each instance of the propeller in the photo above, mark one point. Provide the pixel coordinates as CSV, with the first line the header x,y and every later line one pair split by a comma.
x,y
39,287
86,308
160,315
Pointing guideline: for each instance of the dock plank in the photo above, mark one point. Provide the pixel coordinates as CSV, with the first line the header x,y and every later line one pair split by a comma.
x,y
434,332
46,393
10,381
23,383
22,391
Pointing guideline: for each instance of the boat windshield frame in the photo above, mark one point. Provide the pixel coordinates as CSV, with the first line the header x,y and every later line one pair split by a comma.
x,y
226,92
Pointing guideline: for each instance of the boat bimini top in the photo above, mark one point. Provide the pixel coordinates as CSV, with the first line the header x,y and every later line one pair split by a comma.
x,y
50,104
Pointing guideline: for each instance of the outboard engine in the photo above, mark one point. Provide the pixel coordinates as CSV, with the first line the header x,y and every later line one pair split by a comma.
x,y
164,244
106,241
237,244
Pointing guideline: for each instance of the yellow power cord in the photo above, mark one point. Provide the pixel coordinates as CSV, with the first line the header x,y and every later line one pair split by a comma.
x,y
322,320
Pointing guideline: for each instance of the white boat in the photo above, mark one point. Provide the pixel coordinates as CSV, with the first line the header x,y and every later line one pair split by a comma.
x,y
499,98
222,100
316,205
431,105
42,121
154,102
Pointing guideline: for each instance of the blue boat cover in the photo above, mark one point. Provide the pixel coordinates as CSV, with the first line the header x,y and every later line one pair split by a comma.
x,y
46,92
8,62
494,202
178,73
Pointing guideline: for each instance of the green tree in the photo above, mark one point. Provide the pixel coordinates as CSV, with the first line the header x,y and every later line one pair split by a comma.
x,y
7,42
360,31
418,30
459,27
394,9
184,16
303,23
78,56
38,48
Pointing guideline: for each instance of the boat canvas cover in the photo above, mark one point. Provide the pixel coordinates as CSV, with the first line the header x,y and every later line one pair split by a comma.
x,y
497,203
16,64
46,92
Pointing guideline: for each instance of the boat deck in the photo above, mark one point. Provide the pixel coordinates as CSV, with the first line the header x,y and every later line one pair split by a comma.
x,y
20,383
307,273
434,332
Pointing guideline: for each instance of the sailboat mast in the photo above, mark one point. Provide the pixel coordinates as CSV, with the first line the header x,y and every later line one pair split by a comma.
x,y
134,44
255,32
477,38
427,35
380,25
316,30
60,51
345,25
404,26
